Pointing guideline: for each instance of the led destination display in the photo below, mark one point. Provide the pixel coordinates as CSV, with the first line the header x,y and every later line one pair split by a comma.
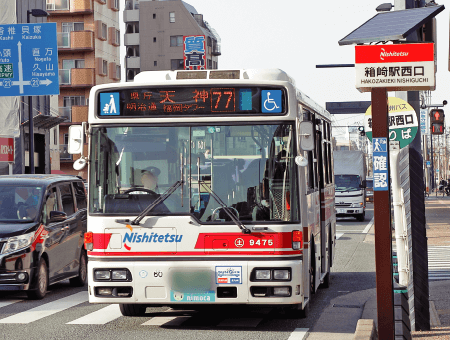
x,y
194,101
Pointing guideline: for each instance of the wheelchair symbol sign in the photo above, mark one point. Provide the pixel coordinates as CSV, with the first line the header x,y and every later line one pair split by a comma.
x,y
271,101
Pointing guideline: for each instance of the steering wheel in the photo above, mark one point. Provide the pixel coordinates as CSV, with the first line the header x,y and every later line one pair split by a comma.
x,y
148,191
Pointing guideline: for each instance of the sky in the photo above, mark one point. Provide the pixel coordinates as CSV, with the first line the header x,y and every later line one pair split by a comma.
x,y
297,35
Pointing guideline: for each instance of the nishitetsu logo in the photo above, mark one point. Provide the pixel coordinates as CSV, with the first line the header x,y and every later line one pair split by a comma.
x,y
150,238
383,53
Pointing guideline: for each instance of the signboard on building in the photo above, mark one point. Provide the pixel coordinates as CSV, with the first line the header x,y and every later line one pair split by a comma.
x,y
28,60
424,121
403,124
6,149
194,52
399,67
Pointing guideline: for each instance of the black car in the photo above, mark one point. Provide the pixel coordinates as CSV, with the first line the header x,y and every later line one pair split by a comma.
x,y
43,219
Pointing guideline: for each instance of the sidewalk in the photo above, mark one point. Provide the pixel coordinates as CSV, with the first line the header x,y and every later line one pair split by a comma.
x,y
437,211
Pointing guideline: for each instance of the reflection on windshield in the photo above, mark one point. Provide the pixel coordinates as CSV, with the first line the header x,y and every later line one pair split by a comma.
x,y
249,167
19,203
347,183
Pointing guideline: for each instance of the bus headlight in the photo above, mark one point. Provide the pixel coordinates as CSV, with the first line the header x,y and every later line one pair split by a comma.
x,y
102,275
281,274
262,274
119,275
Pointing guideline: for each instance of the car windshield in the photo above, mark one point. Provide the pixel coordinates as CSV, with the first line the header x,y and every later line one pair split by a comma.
x,y
369,184
19,203
249,167
347,183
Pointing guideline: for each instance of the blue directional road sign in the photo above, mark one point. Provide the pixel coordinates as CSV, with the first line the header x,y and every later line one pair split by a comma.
x,y
28,60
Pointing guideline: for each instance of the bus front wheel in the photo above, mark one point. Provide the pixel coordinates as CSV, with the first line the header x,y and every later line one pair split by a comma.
x,y
131,309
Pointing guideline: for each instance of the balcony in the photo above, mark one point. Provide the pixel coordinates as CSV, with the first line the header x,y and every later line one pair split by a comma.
x,y
64,155
76,77
131,39
131,15
70,7
75,41
133,62
216,50
66,111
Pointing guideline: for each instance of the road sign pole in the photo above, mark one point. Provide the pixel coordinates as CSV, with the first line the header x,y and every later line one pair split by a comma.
x,y
383,233
31,134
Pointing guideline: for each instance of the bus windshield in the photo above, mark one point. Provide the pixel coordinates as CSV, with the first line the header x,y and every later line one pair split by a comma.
x,y
250,168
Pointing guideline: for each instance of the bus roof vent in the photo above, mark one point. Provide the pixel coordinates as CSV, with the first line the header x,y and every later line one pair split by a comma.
x,y
225,74
192,74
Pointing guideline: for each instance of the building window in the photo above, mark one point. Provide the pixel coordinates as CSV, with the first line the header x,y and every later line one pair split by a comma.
x,y
155,63
117,71
72,26
154,39
105,67
104,31
117,37
209,64
172,16
116,4
176,40
176,64
67,64
154,16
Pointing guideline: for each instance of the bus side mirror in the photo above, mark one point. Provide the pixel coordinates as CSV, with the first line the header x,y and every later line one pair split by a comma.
x,y
76,139
307,135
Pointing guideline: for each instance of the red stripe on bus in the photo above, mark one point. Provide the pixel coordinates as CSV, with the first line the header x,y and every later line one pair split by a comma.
x,y
241,241
199,253
101,241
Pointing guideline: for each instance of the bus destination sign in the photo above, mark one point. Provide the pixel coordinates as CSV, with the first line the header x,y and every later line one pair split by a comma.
x,y
191,101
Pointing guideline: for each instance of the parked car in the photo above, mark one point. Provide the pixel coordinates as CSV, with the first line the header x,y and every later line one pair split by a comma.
x,y
369,189
43,219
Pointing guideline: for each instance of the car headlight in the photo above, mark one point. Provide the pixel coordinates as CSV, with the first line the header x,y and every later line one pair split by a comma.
x,y
18,242
357,205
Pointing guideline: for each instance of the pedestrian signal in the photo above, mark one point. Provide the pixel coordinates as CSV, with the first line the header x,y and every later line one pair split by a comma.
x,y
437,121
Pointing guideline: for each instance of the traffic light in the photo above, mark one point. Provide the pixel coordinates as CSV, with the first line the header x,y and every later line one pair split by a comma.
x,y
361,130
437,121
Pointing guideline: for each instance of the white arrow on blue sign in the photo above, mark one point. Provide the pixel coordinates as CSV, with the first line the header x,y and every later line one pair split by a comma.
x,y
28,60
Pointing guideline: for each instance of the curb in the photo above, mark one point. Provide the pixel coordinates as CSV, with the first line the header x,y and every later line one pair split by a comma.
x,y
365,330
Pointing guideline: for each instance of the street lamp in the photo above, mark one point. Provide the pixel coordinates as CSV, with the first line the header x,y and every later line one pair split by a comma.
x,y
35,13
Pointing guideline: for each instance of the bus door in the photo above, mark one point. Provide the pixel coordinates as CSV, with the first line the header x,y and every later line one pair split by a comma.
x,y
321,183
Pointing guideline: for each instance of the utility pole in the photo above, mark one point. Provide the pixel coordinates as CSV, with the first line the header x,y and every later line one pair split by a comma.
x,y
419,253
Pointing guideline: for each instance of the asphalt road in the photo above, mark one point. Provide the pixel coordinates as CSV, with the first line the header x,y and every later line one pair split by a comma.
x,y
66,314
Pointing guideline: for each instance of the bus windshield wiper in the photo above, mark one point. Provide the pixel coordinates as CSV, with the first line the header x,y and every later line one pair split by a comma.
x,y
159,200
227,210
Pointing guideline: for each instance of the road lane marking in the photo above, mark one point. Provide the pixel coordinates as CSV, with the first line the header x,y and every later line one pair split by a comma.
x,y
8,302
299,334
366,230
47,309
338,235
166,321
100,317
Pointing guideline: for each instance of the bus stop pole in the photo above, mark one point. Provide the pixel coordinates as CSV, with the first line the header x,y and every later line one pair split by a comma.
x,y
383,233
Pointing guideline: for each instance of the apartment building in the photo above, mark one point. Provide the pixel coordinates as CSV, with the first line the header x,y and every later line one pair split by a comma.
x,y
154,31
88,55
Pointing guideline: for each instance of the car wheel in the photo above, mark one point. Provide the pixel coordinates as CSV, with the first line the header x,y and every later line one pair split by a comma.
x,y
131,309
41,284
80,280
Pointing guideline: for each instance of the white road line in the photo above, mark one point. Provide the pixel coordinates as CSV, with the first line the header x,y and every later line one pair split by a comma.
x,y
8,302
166,320
367,228
47,309
299,334
338,235
100,317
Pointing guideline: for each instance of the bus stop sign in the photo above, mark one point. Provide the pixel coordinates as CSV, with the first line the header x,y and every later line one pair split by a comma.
x,y
403,123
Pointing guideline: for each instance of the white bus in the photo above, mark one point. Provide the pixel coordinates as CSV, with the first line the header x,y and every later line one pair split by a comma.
x,y
206,188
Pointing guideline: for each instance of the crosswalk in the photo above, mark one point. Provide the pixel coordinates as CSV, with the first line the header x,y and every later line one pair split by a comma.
x,y
438,263
109,313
